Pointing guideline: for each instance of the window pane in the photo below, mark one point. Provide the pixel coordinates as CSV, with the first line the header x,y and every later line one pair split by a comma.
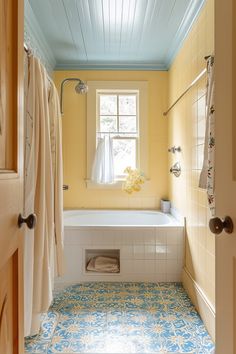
x,y
127,124
108,124
108,104
127,104
124,151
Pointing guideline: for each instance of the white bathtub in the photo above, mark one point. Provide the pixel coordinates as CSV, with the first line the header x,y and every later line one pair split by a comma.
x,y
150,245
117,218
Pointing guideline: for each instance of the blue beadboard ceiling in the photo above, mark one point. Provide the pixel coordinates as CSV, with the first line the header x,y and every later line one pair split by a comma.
x,y
110,34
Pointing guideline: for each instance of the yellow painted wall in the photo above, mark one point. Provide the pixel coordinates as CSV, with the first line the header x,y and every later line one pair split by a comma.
x,y
74,143
187,128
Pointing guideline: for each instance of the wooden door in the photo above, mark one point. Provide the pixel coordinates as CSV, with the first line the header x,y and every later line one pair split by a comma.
x,y
11,176
225,113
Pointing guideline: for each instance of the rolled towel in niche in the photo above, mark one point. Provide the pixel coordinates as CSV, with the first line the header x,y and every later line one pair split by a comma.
x,y
103,264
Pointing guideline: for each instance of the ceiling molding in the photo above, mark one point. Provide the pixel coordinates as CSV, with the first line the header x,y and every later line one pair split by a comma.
x,y
190,16
112,66
36,40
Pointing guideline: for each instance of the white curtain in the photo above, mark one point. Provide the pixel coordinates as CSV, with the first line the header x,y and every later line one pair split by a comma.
x,y
42,192
103,165
207,176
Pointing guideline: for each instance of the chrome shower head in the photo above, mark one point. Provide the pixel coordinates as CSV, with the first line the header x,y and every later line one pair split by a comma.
x,y
80,88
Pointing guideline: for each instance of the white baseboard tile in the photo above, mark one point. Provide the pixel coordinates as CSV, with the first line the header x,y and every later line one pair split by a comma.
x,y
200,301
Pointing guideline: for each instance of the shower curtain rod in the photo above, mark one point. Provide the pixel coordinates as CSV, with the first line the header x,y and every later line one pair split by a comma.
x,y
29,52
189,87
26,48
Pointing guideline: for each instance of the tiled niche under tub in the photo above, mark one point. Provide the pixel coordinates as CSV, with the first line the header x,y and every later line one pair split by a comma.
x,y
154,254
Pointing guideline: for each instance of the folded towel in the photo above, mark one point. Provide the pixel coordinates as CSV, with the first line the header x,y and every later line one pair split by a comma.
x,y
103,264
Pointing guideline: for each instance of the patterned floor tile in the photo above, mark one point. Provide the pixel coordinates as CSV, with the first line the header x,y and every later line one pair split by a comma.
x,y
121,318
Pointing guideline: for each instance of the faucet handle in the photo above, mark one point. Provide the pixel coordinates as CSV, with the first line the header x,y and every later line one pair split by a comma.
x,y
176,169
174,149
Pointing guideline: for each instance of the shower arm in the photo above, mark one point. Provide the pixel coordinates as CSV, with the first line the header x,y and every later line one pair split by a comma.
x,y
62,88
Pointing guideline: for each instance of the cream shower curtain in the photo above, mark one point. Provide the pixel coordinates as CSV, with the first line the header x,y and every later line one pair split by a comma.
x,y
43,192
56,150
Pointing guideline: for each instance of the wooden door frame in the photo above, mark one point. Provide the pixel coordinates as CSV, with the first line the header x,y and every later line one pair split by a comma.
x,y
225,95
11,178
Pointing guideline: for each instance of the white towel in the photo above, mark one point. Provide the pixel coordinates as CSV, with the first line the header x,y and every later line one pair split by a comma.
x,y
103,264
207,176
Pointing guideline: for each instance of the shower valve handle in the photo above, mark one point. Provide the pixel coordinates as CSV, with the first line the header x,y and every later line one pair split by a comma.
x,y
30,221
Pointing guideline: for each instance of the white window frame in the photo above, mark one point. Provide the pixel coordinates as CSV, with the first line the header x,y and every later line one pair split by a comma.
x,y
141,88
119,135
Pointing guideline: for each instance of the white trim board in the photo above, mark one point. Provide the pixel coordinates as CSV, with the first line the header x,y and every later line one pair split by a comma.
x,y
200,301
141,87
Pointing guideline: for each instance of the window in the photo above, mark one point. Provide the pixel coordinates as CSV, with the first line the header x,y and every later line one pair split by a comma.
x,y
119,110
118,118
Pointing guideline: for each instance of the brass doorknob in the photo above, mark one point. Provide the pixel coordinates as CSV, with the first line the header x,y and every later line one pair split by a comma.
x,y
217,225
30,221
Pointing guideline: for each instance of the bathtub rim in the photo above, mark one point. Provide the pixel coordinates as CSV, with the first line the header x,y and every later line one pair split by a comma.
x,y
174,221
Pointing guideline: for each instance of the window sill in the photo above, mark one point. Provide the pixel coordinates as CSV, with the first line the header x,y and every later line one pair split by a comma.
x,y
93,185
117,185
